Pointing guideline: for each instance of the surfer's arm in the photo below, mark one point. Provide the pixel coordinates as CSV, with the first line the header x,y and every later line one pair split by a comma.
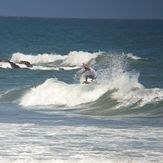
x,y
88,69
84,71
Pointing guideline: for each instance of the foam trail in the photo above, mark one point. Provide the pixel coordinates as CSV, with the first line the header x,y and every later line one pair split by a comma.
x,y
53,68
54,92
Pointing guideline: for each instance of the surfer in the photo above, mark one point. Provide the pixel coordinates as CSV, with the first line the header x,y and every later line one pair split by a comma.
x,y
90,73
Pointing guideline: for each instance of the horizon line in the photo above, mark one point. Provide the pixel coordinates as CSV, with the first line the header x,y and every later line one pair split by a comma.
x,y
83,18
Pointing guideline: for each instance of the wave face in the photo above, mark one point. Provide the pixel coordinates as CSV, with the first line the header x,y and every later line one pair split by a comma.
x,y
116,91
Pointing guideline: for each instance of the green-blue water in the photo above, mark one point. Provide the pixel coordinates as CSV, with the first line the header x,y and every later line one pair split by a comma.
x,y
47,115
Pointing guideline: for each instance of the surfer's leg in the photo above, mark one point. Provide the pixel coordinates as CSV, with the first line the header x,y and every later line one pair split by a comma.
x,y
91,77
86,78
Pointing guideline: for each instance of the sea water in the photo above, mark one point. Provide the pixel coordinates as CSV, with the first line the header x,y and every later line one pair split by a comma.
x,y
47,115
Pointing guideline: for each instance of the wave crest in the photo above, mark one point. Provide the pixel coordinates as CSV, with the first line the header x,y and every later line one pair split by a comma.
x,y
74,58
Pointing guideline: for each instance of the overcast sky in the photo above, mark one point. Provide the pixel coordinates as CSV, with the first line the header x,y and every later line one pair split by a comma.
x,y
145,9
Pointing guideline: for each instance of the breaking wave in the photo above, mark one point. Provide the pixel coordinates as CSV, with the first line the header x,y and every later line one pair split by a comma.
x,y
74,58
54,92
117,89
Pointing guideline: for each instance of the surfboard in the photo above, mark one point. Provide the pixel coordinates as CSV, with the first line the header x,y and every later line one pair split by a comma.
x,y
89,81
86,82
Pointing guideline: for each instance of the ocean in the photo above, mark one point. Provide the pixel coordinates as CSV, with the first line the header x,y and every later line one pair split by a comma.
x,y
47,115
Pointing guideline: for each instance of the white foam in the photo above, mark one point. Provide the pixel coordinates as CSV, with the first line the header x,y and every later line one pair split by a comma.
x,y
131,56
35,59
84,160
74,58
53,68
5,65
129,91
54,92
44,140
77,58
